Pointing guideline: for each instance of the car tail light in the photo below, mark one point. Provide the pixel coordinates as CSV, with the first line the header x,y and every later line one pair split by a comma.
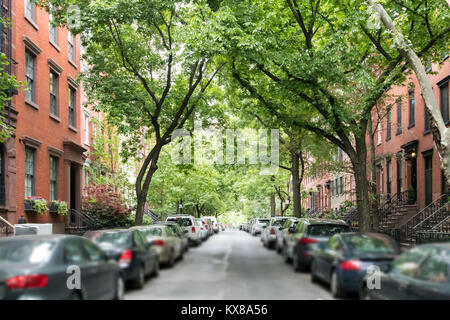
x,y
307,240
193,229
159,242
351,265
125,258
31,281
201,228
272,231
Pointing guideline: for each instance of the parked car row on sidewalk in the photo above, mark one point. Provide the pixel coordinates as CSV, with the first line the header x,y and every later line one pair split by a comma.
x,y
101,264
370,265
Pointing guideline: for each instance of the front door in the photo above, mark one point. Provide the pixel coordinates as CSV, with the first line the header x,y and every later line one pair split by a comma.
x,y
73,189
428,179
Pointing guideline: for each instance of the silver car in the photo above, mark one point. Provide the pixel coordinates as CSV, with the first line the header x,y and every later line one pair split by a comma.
x,y
282,233
259,225
269,234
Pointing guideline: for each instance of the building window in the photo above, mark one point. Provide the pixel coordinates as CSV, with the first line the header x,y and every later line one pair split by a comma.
x,y
86,128
53,93
2,178
71,43
30,10
341,185
53,178
71,106
399,116
444,102
53,31
29,172
412,102
388,124
388,176
427,123
29,76
399,175
379,134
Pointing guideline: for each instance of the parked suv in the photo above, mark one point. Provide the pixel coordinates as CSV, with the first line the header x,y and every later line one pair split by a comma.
x,y
189,226
282,232
302,241
259,225
269,234
215,225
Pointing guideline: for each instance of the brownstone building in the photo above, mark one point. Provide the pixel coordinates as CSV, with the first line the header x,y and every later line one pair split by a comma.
x,y
46,155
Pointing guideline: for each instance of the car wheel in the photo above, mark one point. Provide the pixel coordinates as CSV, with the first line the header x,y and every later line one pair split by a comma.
x,y
286,255
364,293
77,296
278,248
120,288
171,261
336,289
296,263
156,268
140,279
181,257
314,278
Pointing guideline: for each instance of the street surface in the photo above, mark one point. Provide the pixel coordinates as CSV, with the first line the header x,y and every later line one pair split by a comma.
x,y
231,265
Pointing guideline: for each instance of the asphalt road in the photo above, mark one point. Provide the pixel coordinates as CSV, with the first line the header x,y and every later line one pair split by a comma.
x,y
231,265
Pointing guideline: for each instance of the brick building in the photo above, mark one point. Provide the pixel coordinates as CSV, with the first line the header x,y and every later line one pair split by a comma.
x,y
46,155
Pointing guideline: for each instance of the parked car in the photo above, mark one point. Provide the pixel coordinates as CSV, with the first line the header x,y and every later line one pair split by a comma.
x,y
282,232
189,227
222,227
203,230
180,233
344,260
269,234
422,273
168,245
215,225
259,225
36,267
302,240
137,257
208,225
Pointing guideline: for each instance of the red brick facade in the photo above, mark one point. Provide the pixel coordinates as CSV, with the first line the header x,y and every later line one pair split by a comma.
x,y
37,127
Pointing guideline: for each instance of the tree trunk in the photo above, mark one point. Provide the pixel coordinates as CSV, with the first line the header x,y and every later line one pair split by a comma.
x,y
295,183
441,134
373,180
359,163
142,188
272,205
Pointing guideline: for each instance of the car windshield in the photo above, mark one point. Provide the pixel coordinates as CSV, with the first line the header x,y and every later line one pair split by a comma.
x,y
184,222
278,222
364,243
120,239
26,251
152,232
326,230
263,221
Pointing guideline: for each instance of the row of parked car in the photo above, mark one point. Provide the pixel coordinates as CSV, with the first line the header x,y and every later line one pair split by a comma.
x,y
101,264
371,265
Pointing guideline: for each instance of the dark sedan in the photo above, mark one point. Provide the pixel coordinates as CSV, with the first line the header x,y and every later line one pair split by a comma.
x,y
422,273
56,267
136,256
344,260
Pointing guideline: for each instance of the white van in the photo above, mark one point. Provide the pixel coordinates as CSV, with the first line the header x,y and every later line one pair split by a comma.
x,y
189,226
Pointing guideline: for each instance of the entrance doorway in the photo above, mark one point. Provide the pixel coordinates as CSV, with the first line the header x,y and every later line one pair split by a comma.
x,y
73,193
428,179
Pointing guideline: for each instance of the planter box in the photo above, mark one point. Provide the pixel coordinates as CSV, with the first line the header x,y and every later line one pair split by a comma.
x,y
53,208
28,205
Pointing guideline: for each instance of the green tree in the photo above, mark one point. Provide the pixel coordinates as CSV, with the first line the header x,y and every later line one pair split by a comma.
x,y
141,73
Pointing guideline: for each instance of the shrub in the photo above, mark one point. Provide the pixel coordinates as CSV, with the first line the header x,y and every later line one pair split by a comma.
x,y
107,205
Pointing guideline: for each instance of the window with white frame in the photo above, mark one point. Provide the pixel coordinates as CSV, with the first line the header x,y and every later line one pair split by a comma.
x,y
30,10
71,44
53,31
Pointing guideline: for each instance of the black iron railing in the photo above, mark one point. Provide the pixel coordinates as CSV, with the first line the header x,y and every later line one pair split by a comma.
x,y
426,219
6,229
428,237
152,215
87,221
313,212
392,204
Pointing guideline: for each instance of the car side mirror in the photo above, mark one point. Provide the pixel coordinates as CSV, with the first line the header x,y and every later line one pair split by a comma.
x,y
264,227
291,229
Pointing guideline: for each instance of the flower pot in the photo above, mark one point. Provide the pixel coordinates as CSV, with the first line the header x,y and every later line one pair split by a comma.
x,y
28,205
53,208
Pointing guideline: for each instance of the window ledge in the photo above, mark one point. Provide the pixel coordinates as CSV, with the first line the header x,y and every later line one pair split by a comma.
x,y
411,126
73,129
398,132
54,117
87,144
55,46
32,104
32,23
73,64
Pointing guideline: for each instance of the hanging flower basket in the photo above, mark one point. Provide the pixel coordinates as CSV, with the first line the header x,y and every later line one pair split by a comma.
x,y
58,207
36,204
